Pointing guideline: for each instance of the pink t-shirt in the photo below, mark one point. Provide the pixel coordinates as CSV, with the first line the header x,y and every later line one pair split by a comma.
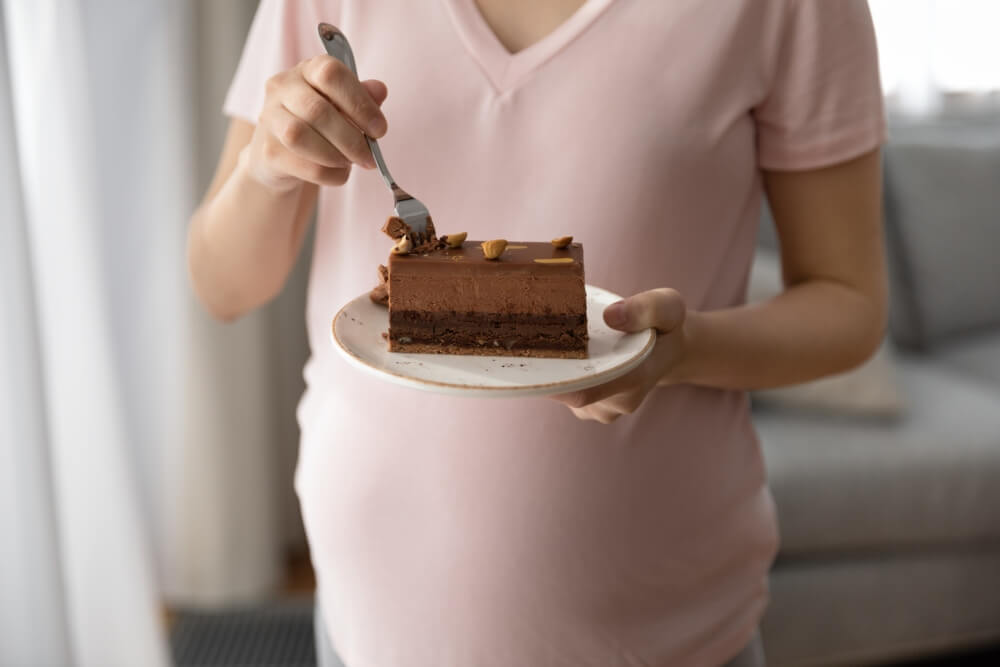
x,y
451,532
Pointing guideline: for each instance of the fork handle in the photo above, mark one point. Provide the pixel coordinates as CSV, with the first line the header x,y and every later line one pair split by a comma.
x,y
336,45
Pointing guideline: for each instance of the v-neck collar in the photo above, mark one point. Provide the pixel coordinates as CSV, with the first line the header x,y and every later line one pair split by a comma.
x,y
504,69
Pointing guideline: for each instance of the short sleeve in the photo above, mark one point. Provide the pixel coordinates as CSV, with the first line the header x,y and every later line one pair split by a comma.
x,y
276,42
824,104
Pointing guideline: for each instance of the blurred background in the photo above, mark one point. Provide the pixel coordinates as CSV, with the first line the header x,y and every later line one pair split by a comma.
x,y
147,515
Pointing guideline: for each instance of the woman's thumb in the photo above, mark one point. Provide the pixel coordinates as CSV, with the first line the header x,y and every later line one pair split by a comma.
x,y
661,309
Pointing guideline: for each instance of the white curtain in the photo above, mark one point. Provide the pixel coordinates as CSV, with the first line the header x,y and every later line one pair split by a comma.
x,y
72,526
145,451
934,49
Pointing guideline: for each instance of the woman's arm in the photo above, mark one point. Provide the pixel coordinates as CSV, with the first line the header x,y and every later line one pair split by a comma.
x,y
244,238
830,317
832,313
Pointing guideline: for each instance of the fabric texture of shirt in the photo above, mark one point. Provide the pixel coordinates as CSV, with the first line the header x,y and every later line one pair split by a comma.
x,y
451,532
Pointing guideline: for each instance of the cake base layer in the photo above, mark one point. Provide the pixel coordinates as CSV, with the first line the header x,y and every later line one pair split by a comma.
x,y
436,348
489,334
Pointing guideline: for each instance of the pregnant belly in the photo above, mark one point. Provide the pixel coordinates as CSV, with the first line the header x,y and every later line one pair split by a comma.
x,y
541,520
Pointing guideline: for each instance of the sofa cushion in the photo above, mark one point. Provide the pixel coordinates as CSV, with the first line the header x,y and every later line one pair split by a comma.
x,y
976,355
929,477
943,229
880,607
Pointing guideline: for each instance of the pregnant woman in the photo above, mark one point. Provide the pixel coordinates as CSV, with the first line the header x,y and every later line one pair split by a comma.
x,y
628,524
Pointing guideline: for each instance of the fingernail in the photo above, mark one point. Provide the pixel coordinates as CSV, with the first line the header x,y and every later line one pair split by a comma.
x,y
615,315
376,127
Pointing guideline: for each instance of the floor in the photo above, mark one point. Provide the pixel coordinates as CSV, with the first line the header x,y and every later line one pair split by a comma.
x,y
988,657
276,634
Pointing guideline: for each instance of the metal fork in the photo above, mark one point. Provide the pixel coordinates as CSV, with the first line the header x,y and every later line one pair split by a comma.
x,y
408,208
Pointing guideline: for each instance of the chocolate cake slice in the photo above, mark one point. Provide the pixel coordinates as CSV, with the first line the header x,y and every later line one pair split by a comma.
x,y
529,301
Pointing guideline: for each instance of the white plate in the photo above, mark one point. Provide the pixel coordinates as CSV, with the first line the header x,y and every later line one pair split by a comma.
x,y
357,334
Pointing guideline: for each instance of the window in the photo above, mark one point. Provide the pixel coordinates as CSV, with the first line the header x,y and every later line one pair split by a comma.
x,y
932,47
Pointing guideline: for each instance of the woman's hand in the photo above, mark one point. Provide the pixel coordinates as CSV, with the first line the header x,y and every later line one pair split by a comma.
x,y
660,309
244,238
308,130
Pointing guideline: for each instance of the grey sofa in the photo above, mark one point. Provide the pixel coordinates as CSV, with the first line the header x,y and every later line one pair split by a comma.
x,y
891,527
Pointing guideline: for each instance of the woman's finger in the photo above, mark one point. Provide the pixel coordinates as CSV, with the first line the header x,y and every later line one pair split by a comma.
x,y
287,162
376,89
605,415
596,413
585,397
338,84
624,403
302,139
302,101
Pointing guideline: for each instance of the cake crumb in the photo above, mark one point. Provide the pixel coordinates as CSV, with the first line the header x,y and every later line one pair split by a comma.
x,y
380,295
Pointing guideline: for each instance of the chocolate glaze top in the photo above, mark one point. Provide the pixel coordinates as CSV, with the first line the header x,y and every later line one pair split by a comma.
x,y
517,255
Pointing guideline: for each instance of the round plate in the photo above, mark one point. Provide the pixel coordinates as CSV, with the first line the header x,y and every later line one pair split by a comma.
x,y
357,334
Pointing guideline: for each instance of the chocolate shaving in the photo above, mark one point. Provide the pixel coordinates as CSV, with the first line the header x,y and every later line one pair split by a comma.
x,y
383,274
431,244
395,228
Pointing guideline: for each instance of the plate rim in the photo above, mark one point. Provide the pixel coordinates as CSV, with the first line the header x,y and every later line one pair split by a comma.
x,y
498,392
